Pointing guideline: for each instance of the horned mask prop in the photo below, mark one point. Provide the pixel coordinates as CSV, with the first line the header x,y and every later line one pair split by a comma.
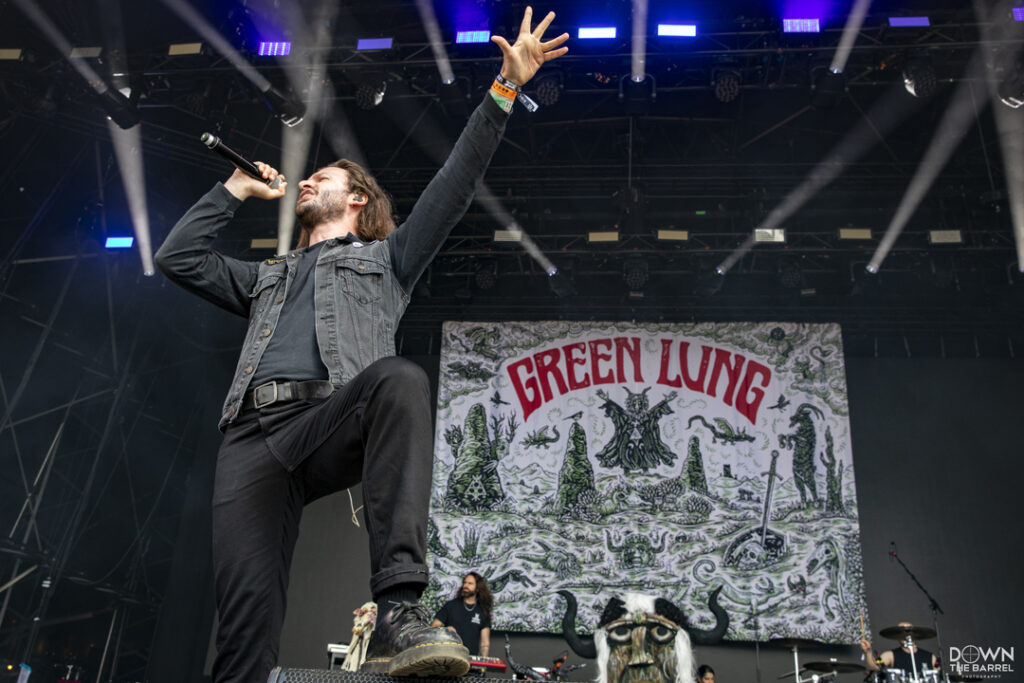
x,y
642,639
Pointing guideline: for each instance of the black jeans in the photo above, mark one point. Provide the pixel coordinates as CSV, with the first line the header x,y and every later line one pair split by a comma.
x,y
376,429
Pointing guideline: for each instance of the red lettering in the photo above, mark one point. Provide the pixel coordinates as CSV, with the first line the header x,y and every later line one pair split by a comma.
x,y
526,392
595,357
705,358
547,366
575,354
666,358
733,370
629,346
747,406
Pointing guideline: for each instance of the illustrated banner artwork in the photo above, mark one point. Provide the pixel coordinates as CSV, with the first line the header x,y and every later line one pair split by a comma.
x,y
667,459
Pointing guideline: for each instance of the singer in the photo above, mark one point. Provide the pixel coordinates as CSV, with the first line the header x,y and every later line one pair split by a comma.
x,y
319,402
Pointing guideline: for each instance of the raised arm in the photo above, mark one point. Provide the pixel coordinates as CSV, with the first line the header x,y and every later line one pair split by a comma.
x,y
445,200
187,257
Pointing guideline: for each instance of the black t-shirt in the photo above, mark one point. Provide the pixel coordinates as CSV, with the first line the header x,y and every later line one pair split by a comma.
x,y
468,622
901,659
294,353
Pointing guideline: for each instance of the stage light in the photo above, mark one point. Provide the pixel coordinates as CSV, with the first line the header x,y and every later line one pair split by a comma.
x,y
603,236
274,49
595,32
710,282
635,273
908,22
790,275
487,275
638,41
263,243
179,49
425,8
510,235
288,109
85,52
462,37
945,237
374,43
453,97
1011,88
677,30
673,235
854,233
371,93
549,89
1018,13
726,83
871,268
919,77
638,95
801,26
119,242
119,109
770,235
828,87
13,54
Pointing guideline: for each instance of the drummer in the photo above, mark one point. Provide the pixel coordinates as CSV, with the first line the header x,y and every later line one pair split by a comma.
x,y
898,658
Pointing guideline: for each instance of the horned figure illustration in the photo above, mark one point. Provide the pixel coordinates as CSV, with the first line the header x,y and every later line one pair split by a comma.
x,y
643,638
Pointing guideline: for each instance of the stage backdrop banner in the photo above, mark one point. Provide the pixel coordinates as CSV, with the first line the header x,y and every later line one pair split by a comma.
x,y
667,459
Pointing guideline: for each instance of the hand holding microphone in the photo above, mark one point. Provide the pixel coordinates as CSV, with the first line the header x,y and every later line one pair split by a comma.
x,y
271,185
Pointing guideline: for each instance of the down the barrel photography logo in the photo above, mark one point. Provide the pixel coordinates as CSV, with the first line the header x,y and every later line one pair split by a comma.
x,y
980,662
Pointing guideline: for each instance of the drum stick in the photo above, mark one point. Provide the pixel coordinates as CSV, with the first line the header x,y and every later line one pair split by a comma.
x,y
862,633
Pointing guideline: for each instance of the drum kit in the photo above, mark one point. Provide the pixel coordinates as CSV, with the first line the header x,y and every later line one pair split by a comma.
x,y
831,669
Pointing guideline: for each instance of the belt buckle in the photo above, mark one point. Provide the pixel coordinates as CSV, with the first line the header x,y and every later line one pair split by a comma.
x,y
255,395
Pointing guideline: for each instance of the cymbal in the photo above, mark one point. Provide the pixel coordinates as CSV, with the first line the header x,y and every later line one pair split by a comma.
x,y
901,632
836,667
795,642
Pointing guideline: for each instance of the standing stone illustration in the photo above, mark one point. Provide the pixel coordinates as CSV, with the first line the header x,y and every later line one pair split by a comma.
x,y
576,479
695,467
833,477
474,483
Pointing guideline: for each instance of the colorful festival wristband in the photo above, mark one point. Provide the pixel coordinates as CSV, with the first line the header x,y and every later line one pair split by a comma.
x,y
504,102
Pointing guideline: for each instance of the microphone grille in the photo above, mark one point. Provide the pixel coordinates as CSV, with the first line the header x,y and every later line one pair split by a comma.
x,y
210,140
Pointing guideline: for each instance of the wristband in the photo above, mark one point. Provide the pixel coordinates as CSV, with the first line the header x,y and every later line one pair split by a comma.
x,y
504,90
508,84
504,102
507,88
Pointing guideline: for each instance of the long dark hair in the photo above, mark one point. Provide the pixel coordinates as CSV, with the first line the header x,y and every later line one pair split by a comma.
x,y
377,220
703,669
483,594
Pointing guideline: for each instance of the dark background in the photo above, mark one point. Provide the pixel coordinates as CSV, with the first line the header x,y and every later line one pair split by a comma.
x,y
111,382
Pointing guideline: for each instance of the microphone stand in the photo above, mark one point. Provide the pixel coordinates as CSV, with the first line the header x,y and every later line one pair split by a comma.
x,y
933,605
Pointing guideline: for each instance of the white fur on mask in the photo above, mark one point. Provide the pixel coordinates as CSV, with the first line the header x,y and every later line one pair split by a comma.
x,y
686,670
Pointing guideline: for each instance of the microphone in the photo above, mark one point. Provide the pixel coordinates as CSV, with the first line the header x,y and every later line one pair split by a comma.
x,y
892,550
240,162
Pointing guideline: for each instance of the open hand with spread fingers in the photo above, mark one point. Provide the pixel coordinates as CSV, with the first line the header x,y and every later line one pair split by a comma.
x,y
523,58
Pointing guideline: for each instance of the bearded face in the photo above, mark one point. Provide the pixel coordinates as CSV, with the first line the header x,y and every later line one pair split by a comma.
x,y
320,207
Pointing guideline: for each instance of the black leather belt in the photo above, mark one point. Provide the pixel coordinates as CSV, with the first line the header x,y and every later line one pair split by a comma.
x,y
277,392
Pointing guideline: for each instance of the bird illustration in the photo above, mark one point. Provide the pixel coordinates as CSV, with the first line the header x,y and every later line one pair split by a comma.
x,y
780,404
496,399
575,416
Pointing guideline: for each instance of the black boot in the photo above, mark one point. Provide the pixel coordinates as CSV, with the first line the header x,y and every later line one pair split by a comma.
x,y
405,644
